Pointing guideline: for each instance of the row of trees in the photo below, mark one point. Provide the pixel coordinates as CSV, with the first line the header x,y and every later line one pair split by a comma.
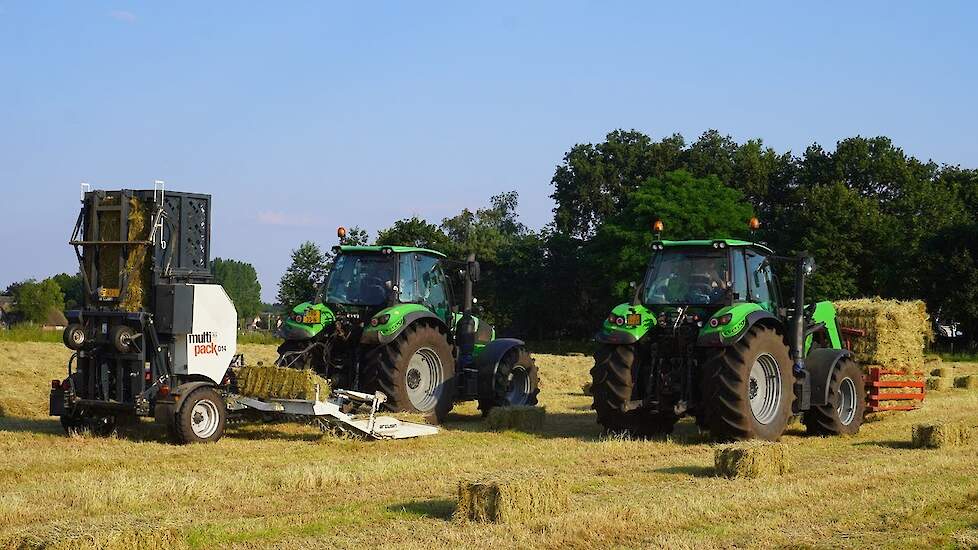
x,y
880,222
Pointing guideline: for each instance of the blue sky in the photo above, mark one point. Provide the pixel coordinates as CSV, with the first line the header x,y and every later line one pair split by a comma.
x,y
302,116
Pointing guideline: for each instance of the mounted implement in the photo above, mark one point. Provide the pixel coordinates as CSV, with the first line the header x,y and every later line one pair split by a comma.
x,y
707,333
157,337
386,320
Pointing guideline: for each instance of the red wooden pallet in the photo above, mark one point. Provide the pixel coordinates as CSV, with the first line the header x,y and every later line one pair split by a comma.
x,y
874,384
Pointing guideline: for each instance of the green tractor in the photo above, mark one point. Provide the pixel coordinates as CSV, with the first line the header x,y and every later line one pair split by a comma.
x,y
386,320
708,334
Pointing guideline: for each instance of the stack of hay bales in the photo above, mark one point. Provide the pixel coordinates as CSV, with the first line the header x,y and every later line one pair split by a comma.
x,y
940,378
281,383
521,417
137,262
510,498
940,435
751,459
896,331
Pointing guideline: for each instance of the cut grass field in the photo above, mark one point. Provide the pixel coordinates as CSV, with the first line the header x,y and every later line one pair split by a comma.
x,y
283,485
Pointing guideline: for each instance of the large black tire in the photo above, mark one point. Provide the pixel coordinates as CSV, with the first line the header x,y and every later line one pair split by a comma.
x,y
78,422
613,385
730,382
388,369
514,381
201,417
843,414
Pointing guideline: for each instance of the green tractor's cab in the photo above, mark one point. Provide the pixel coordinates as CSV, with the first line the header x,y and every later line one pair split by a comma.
x,y
708,333
386,319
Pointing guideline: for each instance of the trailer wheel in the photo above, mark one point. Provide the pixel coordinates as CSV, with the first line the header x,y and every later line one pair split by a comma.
x,y
201,418
516,382
747,389
416,372
612,387
843,414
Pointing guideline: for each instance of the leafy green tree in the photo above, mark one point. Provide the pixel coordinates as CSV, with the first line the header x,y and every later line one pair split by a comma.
x,y
950,272
486,230
416,232
73,289
304,275
355,236
36,300
688,206
240,281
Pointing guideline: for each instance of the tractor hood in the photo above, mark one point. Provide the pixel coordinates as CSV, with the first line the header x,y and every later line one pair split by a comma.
x,y
305,321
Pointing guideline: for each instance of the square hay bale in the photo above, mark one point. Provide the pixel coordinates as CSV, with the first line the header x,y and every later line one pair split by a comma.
x,y
968,382
938,383
943,372
138,261
522,417
751,459
280,382
896,331
932,360
510,498
938,435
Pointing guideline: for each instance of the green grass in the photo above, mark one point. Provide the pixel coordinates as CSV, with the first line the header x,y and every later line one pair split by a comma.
x,y
283,485
26,332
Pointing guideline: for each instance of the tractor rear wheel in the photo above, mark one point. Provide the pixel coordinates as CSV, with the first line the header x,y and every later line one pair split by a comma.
x,y
843,414
747,389
514,382
416,371
612,387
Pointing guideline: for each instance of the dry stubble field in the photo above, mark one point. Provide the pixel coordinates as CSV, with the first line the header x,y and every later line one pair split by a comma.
x,y
282,485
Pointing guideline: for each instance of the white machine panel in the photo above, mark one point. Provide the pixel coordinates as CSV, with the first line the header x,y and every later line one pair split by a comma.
x,y
212,343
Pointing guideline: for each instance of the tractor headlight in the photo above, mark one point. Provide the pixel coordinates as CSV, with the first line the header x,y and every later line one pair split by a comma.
x,y
721,320
380,320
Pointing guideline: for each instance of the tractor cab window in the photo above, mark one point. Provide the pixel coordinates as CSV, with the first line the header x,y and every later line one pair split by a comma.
x,y
360,279
761,281
740,293
687,276
407,284
432,287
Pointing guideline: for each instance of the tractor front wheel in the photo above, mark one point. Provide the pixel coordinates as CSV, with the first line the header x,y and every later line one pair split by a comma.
x,y
748,388
612,386
843,413
416,372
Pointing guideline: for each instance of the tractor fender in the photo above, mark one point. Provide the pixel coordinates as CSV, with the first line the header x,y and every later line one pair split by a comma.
x,y
820,363
375,337
488,361
715,340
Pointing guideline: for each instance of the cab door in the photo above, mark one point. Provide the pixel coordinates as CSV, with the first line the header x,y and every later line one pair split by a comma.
x,y
433,287
761,284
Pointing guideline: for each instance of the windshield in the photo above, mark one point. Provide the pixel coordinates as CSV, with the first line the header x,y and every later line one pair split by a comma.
x,y
687,276
360,279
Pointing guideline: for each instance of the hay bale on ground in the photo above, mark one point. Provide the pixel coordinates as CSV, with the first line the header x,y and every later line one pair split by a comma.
x,y
751,459
932,360
280,382
940,434
943,372
938,383
516,418
968,382
513,498
895,331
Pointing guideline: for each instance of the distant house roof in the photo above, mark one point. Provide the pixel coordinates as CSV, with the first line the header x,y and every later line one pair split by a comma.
x,y
55,318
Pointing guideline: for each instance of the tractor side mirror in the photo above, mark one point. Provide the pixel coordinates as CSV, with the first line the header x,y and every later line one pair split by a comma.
x,y
808,265
474,271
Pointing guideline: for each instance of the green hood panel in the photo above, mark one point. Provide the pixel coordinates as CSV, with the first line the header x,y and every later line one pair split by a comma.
x,y
307,319
631,321
393,318
738,320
